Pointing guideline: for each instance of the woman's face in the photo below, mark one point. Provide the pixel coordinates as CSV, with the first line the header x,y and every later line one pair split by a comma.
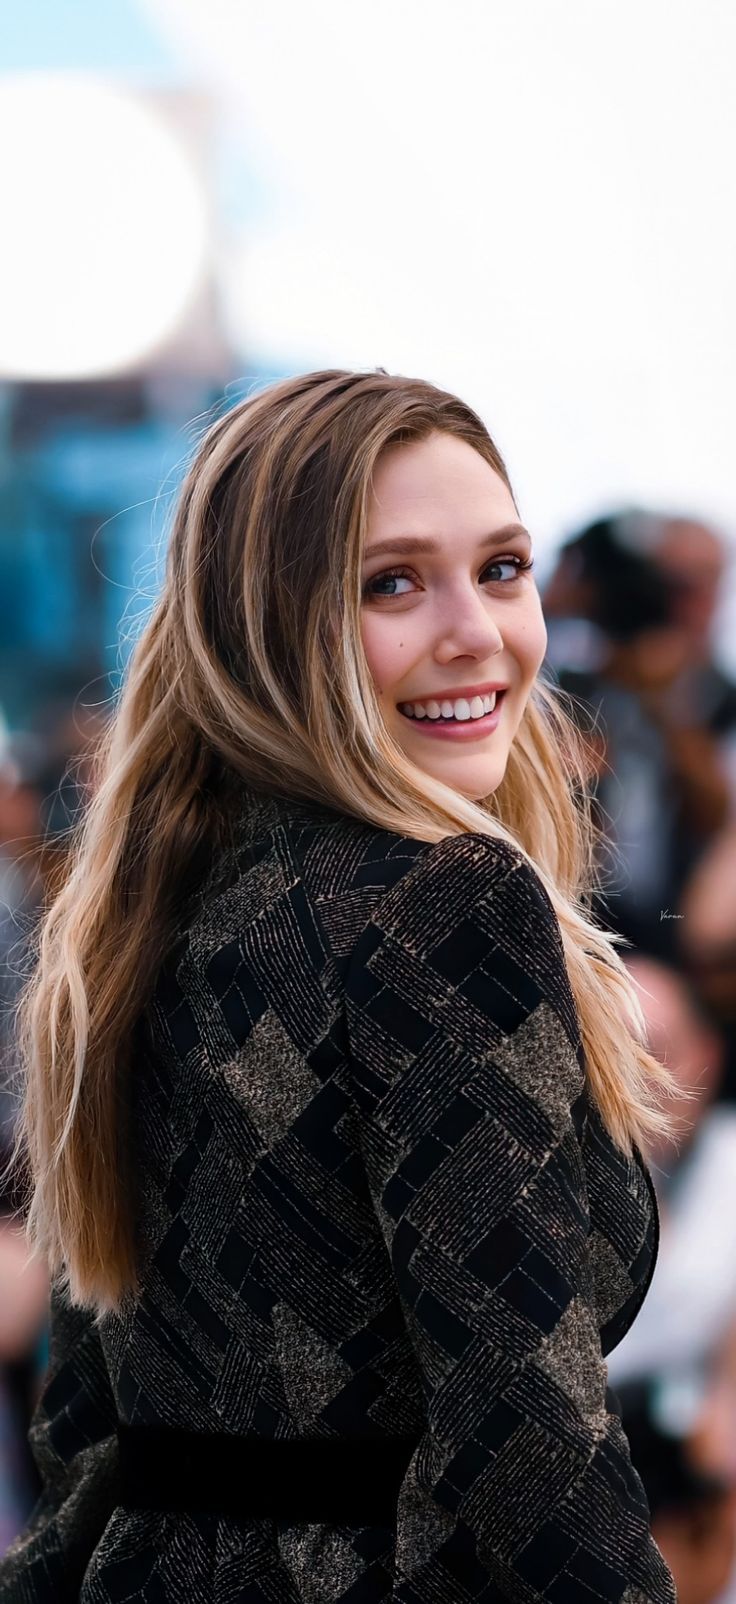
x,y
461,619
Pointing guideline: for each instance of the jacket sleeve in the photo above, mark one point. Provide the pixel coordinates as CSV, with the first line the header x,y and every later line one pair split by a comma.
x,y
467,1071
74,1443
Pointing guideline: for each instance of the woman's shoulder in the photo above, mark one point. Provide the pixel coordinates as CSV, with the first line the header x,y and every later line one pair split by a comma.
x,y
300,883
284,853
339,843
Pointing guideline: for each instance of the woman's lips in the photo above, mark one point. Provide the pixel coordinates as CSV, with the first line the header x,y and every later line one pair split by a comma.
x,y
472,729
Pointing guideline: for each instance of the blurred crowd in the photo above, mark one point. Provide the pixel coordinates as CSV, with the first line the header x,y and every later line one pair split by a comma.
x,y
45,779
630,609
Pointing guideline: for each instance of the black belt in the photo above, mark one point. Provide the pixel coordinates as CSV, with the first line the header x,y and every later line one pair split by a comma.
x,y
332,1479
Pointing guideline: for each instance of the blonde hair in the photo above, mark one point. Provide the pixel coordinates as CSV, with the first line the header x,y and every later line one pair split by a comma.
x,y
251,667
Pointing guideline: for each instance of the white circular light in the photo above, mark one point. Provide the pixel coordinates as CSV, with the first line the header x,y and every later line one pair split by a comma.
x,y
105,227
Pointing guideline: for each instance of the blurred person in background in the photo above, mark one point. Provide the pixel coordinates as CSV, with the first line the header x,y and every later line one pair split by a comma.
x,y
682,1346
708,936
20,893
23,1282
694,559
629,638
46,778
24,1295
692,1299
691,1508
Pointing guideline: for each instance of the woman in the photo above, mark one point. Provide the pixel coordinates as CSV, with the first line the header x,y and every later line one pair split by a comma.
x,y
336,1097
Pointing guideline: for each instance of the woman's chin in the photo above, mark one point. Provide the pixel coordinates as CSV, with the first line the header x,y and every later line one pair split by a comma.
x,y
474,775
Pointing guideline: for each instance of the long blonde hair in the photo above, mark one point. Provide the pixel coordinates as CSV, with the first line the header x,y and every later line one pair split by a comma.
x,y
251,668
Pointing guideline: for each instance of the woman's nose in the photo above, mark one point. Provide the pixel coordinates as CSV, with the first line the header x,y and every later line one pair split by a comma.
x,y
470,627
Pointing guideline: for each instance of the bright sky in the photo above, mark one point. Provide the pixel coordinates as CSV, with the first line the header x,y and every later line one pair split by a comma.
x,y
527,202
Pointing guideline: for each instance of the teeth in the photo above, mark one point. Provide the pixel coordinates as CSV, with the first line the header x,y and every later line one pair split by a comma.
x,y
461,709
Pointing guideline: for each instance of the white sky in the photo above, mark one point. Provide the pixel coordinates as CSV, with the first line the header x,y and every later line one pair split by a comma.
x,y
529,202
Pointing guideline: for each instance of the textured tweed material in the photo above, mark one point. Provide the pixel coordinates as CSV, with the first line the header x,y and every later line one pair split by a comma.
x,y
373,1198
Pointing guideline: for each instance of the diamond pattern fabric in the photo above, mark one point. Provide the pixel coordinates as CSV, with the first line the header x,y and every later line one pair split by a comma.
x,y
373,1198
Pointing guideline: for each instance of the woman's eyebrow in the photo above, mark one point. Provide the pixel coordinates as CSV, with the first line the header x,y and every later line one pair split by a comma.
x,y
406,545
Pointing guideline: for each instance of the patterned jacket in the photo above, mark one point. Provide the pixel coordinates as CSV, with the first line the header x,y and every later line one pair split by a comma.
x,y
373,1198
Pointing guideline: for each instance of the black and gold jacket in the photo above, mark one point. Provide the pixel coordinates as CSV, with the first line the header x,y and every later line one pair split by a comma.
x,y
373,1200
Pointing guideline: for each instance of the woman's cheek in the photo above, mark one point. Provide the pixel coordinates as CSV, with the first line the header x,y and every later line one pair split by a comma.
x,y
535,645
386,650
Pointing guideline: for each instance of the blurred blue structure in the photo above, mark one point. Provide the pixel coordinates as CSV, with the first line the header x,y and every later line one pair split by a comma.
x,y
88,472
83,35
80,471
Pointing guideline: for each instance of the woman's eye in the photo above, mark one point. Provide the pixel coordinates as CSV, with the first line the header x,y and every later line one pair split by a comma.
x,y
517,565
379,579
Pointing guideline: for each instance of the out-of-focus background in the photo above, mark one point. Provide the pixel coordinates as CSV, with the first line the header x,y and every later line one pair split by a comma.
x,y
530,204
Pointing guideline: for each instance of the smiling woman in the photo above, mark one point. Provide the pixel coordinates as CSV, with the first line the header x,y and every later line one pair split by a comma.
x,y
336,1097
467,616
